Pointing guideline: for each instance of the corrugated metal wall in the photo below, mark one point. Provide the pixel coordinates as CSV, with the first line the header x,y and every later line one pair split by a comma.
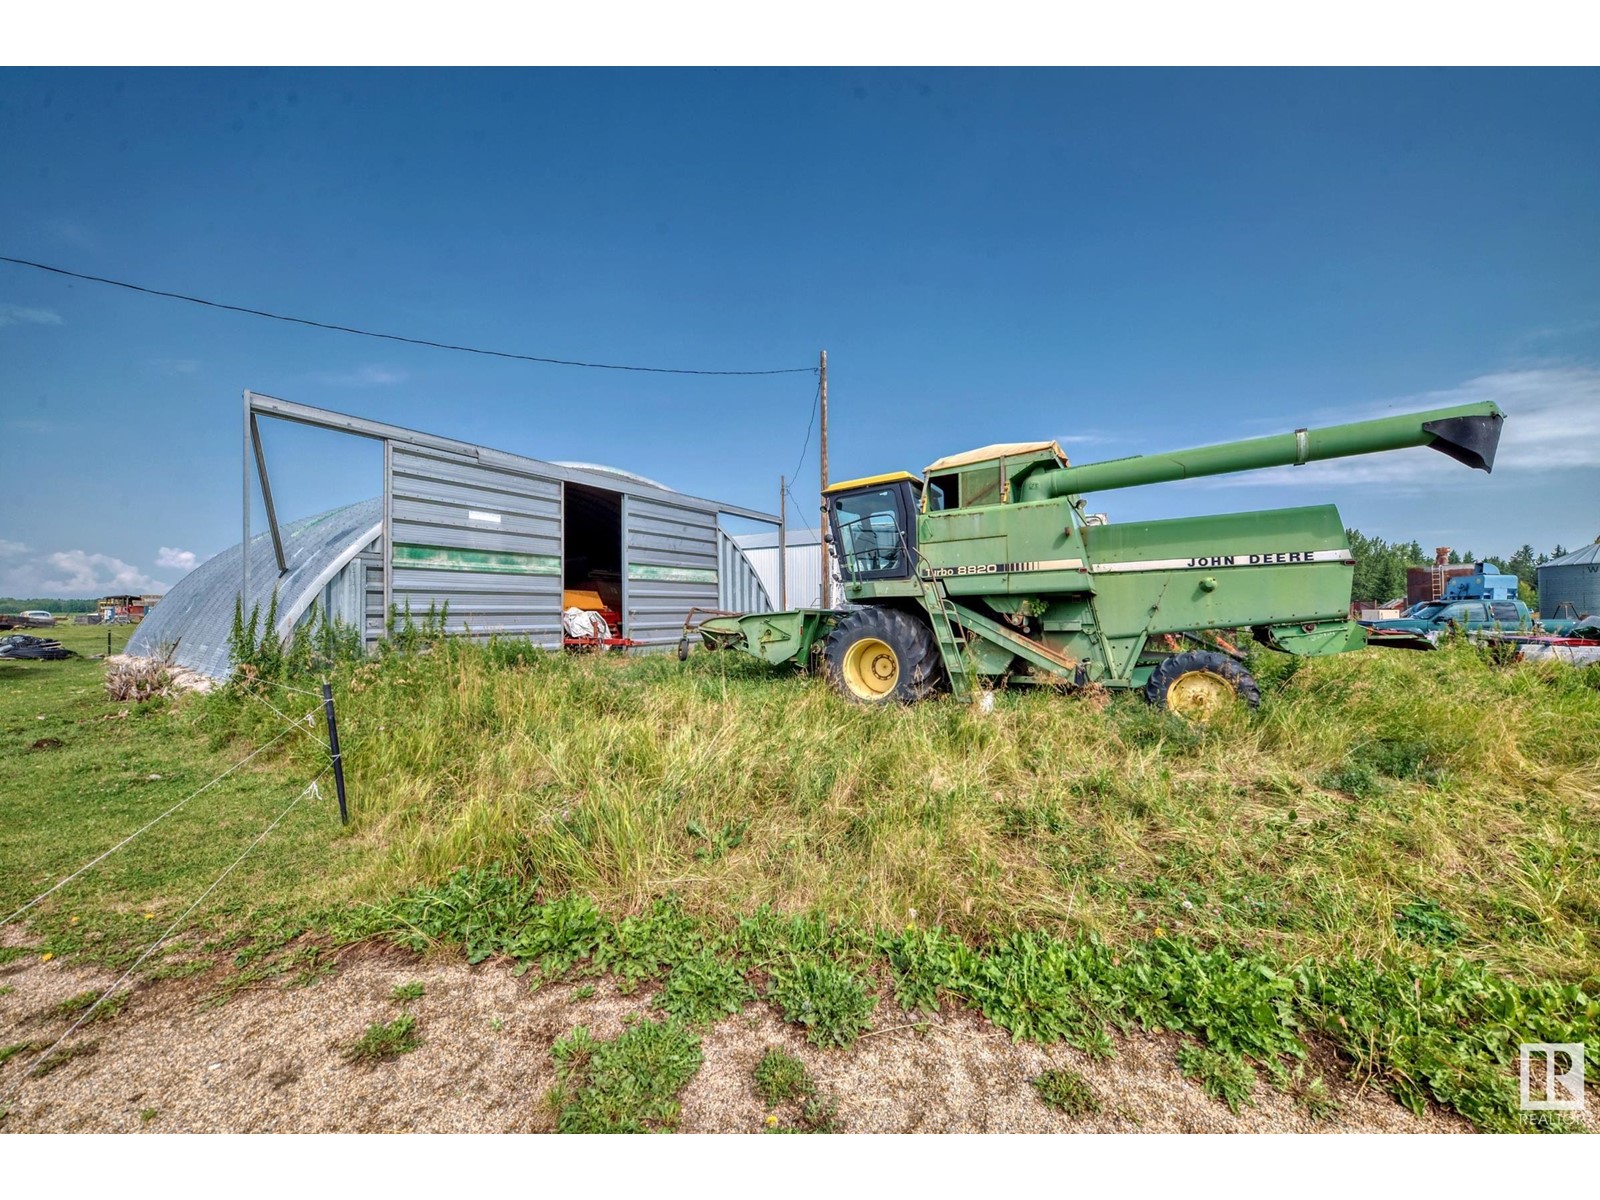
x,y
671,555
804,566
1576,580
487,539
197,614
373,625
739,587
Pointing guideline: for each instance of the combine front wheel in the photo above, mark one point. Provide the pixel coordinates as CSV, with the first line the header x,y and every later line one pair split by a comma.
x,y
1200,684
878,655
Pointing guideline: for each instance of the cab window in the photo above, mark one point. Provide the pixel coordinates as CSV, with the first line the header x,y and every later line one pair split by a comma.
x,y
873,533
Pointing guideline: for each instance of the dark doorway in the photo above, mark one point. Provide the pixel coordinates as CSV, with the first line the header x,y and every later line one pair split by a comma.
x,y
591,553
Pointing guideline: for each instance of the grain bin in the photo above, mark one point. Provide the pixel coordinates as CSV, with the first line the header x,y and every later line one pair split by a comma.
x,y
1572,579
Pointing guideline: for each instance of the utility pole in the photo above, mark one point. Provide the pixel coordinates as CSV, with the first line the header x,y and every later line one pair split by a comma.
x,y
822,531
783,544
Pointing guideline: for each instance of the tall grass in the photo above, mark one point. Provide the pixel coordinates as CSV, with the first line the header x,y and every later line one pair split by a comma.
x,y
1368,787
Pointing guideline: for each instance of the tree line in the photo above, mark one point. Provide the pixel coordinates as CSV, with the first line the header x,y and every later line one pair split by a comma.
x,y
50,604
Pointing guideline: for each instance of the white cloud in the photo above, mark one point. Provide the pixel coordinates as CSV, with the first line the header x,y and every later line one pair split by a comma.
x,y
75,573
371,375
11,549
1552,423
14,314
178,560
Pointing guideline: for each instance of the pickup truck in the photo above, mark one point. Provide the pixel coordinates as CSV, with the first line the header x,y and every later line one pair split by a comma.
x,y
1482,602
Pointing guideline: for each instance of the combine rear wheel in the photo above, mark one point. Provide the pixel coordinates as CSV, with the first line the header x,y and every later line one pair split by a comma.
x,y
1200,685
881,655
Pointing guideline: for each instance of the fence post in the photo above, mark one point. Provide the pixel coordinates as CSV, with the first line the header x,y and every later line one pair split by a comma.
x,y
333,748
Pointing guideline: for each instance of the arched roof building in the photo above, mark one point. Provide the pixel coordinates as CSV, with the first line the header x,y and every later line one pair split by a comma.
x,y
507,542
329,557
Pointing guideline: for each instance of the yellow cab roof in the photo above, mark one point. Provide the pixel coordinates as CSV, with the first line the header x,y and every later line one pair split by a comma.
x,y
848,485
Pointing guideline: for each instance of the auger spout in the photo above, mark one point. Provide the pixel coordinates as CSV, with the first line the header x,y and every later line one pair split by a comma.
x,y
1468,433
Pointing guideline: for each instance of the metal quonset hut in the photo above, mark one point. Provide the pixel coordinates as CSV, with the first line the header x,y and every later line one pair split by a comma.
x,y
334,558
508,542
1574,579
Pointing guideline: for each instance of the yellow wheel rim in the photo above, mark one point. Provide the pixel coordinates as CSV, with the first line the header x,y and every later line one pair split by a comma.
x,y
1199,695
871,669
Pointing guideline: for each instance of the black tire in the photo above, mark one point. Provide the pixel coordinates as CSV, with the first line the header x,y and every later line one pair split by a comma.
x,y
880,655
1190,667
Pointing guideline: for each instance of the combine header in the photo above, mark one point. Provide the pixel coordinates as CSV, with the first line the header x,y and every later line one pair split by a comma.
x,y
990,569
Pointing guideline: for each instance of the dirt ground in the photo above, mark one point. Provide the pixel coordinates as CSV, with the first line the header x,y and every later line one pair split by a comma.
x,y
269,1061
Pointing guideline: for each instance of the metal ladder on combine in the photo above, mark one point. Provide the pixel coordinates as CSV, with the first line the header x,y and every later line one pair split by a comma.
x,y
941,616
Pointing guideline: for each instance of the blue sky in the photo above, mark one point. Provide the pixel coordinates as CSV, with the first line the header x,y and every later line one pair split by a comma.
x,y
1126,260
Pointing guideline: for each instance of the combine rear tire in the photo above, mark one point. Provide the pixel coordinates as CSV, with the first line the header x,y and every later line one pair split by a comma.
x,y
881,655
1199,684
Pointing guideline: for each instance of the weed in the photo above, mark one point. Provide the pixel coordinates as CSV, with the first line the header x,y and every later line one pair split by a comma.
x,y
586,992
1353,779
704,989
1424,922
819,1114
405,993
496,1024
76,1005
146,1115
6,989
627,1085
1064,1090
383,1041
1311,1094
1446,1031
924,963
718,841
7,1053
1224,1077
782,1077
61,1057
831,1001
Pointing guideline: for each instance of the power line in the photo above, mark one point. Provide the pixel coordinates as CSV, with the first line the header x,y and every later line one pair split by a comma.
x,y
806,445
388,337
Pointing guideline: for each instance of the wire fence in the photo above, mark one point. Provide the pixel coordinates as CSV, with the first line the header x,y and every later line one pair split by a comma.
x,y
152,823
310,789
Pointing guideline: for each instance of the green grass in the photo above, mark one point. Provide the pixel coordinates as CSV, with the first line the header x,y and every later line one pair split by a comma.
x,y
782,1082
1227,1077
1064,1090
829,1000
781,1078
703,989
384,1040
117,767
404,993
627,1085
74,1006
7,1053
1396,853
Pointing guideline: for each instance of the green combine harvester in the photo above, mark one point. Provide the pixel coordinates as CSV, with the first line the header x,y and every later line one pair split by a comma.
x,y
989,570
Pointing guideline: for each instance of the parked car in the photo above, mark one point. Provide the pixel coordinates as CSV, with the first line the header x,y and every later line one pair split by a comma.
x,y
37,616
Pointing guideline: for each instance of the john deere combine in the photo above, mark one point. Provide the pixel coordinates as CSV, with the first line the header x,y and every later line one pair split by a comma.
x,y
990,568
